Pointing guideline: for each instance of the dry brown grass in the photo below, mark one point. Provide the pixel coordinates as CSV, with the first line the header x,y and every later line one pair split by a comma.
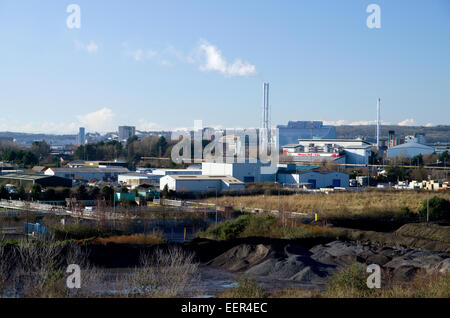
x,y
142,239
165,273
336,204
351,283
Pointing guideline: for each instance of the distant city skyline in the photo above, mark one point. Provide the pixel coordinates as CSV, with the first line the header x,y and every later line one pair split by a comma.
x,y
160,65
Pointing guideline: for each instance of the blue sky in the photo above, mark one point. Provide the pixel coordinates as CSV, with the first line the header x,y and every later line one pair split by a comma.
x,y
164,64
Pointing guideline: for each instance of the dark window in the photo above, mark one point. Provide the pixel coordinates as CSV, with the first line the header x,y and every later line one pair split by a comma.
x,y
249,179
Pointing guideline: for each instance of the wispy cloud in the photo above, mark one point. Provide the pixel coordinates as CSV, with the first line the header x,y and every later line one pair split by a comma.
x,y
90,47
207,56
214,61
166,57
407,122
100,120
342,122
145,125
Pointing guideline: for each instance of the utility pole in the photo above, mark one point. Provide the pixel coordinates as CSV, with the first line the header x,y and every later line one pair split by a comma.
x,y
216,213
216,207
114,209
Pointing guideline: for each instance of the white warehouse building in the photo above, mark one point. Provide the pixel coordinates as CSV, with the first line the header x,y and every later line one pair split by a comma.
x,y
317,179
245,172
350,151
196,183
87,173
409,150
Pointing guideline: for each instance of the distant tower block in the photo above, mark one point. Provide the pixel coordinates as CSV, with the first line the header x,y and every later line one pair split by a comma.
x,y
378,122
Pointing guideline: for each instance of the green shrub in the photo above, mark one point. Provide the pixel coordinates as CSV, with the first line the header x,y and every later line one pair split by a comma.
x,y
350,282
439,208
246,288
243,226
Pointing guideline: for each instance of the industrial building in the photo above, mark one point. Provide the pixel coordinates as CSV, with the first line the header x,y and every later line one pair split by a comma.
x,y
245,172
136,179
105,174
28,180
166,172
349,151
202,183
316,179
295,130
409,150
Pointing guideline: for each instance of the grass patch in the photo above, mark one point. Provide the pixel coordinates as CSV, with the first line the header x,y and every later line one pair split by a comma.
x,y
80,231
141,239
351,283
246,288
262,225
340,204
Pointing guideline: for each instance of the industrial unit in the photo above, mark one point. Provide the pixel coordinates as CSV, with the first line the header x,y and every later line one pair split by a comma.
x,y
136,179
245,172
87,173
295,130
316,179
28,180
409,150
196,183
350,151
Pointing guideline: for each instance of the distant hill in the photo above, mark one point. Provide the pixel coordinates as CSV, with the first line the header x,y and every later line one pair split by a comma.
x,y
432,134
26,138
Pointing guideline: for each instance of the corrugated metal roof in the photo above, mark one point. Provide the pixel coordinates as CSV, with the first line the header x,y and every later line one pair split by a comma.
x,y
25,176
89,170
227,179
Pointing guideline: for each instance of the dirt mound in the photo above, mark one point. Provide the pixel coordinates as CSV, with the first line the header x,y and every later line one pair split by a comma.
x,y
242,257
426,231
296,264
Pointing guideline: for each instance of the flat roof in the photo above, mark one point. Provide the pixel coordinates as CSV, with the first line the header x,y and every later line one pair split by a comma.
x,y
84,169
336,140
227,179
25,176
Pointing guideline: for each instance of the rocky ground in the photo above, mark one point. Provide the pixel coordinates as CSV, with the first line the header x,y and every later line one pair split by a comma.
x,y
314,266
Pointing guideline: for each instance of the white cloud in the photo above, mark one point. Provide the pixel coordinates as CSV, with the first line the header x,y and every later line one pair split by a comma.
x,y
144,125
406,122
90,48
339,122
429,125
214,61
140,55
206,55
100,121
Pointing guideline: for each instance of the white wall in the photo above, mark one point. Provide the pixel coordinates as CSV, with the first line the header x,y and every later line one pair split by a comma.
x,y
324,180
358,156
240,171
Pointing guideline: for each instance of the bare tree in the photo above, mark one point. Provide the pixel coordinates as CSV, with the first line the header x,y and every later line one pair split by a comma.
x,y
166,273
